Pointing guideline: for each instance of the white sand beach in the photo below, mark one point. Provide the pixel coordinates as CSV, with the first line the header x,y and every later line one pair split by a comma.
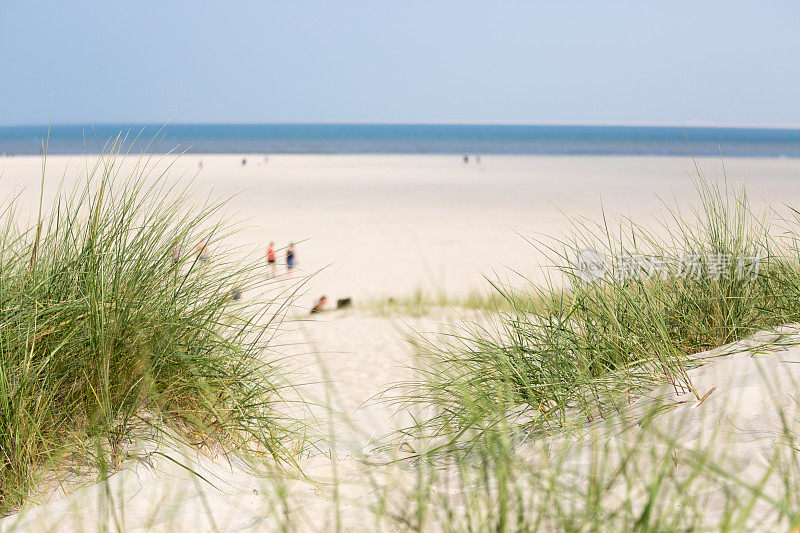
x,y
375,227
370,226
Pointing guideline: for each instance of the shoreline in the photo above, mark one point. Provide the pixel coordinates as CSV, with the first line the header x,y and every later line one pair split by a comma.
x,y
443,122
410,139
449,155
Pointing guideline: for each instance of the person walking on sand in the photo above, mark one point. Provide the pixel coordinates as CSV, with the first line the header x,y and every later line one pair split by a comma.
x,y
290,258
271,258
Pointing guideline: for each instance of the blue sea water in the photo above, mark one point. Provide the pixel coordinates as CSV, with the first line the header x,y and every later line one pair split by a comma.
x,y
408,138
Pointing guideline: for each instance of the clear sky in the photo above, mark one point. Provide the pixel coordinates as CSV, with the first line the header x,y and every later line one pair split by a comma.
x,y
175,61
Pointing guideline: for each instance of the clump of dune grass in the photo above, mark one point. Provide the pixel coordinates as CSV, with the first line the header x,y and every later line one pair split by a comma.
x,y
600,333
643,480
110,320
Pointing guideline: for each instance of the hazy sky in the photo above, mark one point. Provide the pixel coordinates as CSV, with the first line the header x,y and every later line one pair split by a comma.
x,y
400,60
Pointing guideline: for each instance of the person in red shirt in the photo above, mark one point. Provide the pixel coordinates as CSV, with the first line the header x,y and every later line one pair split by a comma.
x,y
271,258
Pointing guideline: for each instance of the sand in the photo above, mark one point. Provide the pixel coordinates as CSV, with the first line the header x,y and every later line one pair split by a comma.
x,y
374,227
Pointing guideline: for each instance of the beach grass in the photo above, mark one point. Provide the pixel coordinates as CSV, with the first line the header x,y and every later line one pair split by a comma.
x,y
507,406
602,331
641,480
113,322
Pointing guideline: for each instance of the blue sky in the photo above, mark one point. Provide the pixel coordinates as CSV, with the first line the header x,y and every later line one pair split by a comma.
x,y
403,60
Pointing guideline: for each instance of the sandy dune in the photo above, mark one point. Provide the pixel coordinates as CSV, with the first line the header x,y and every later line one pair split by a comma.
x,y
379,226
753,387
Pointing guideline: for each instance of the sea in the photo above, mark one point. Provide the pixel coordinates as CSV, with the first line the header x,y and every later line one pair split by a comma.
x,y
404,139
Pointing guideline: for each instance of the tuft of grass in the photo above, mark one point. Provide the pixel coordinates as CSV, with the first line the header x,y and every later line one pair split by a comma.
x,y
640,480
103,331
523,418
573,350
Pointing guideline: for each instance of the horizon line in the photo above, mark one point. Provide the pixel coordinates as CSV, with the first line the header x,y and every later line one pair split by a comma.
x,y
631,124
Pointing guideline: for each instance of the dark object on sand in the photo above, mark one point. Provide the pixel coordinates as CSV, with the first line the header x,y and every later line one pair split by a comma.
x,y
343,303
320,304
237,294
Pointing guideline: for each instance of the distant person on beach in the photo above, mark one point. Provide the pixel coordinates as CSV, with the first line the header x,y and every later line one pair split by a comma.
x,y
244,161
466,158
176,255
271,257
319,305
202,253
290,258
